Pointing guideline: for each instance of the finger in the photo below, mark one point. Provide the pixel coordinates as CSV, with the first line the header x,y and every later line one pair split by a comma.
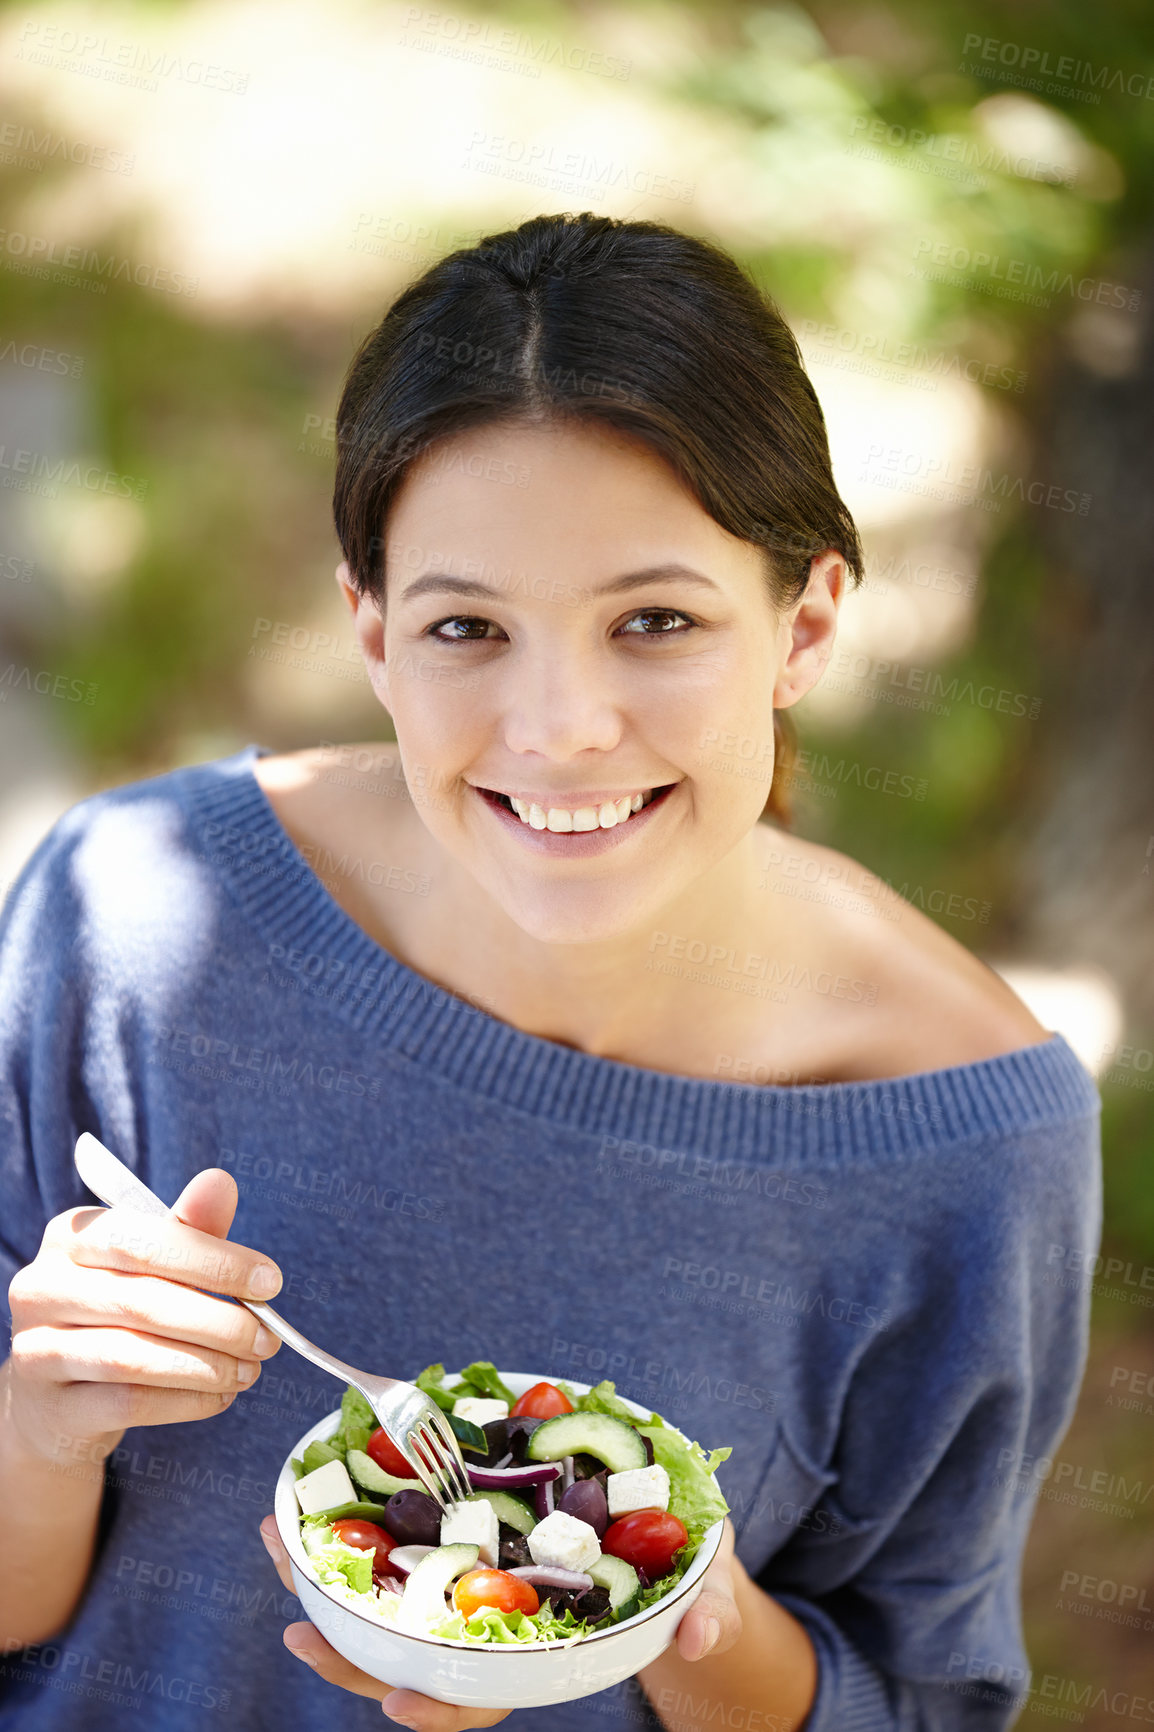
x,y
273,1545
710,1626
123,1239
713,1623
307,1643
208,1202
52,1290
92,1355
82,1412
422,1712
429,1715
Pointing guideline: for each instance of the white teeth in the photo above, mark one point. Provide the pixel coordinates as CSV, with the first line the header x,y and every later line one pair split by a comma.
x,y
562,820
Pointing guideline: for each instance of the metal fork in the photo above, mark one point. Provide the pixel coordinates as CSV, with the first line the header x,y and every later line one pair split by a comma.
x,y
411,1419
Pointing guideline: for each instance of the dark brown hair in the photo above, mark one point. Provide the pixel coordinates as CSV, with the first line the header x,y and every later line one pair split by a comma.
x,y
654,332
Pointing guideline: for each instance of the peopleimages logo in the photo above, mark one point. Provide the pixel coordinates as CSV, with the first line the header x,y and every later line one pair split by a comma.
x,y
733,1284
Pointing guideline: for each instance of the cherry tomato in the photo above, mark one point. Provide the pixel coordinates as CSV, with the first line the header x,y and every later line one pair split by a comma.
x,y
494,1588
647,1539
387,1456
543,1401
362,1535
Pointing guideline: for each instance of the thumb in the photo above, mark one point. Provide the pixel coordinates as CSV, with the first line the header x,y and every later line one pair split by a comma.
x,y
208,1202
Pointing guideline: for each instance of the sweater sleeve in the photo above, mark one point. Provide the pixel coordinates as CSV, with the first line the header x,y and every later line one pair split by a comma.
x,y
910,1584
44,1098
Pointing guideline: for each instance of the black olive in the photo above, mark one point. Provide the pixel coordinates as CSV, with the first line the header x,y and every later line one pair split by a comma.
x,y
497,1440
586,1466
517,1431
514,1548
592,1605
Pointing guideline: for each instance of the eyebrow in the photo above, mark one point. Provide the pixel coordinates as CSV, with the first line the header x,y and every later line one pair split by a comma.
x,y
441,583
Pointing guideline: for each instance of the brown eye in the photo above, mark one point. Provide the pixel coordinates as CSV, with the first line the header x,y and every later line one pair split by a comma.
x,y
661,615
473,628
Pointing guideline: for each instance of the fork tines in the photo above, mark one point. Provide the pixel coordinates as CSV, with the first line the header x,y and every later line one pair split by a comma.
x,y
433,1449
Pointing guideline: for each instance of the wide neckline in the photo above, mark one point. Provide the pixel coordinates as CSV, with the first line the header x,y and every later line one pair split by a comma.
x,y
352,977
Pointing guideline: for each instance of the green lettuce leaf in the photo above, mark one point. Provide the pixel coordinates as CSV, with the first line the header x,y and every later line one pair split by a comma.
x,y
481,1378
603,1398
358,1421
432,1381
319,1452
337,1564
489,1625
694,1495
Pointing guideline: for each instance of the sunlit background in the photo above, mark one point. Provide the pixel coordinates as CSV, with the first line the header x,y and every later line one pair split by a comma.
x,y
205,206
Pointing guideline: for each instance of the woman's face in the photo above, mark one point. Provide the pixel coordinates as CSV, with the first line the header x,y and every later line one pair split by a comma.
x,y
567,628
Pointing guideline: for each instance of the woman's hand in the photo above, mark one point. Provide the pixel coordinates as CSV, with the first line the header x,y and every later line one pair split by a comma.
x,y
112,1326
407,1706
711,1625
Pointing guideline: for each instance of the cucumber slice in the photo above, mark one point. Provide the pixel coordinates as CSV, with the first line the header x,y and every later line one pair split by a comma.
x,y
622,1581
513,1510
373,1478
599,1434
424,1597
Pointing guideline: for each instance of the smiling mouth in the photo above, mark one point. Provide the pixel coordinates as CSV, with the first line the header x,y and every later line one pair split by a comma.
x,y
562,820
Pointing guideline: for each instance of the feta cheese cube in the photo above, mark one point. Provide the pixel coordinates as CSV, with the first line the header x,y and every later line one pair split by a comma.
x,y
480,1409
565,1541
473,1524
637,1488
324,1488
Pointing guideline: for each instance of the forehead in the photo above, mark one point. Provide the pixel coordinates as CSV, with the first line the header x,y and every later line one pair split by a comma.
x,y
572,494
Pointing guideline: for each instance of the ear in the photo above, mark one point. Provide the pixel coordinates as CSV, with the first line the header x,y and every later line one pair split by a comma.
x,y
810,629
346,586
368,629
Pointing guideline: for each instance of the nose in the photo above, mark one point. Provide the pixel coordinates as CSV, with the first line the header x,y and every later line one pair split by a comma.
x,y
560,702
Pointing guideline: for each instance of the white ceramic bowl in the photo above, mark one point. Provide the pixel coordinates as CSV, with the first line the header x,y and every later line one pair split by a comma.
x,y
484,1676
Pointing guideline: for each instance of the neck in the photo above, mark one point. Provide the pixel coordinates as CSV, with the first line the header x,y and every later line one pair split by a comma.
x,y
605,995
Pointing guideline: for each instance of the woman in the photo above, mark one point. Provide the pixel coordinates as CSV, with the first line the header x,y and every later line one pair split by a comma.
x,y
468,1020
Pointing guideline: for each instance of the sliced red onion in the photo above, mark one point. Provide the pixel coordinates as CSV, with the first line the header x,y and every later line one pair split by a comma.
x,y
567,1471
543,1500
552,1576
508,1478
406,1558
504,1462
392,1584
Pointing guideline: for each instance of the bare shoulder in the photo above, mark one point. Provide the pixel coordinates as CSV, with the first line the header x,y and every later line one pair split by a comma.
x,y
358,767
932,1003
337,793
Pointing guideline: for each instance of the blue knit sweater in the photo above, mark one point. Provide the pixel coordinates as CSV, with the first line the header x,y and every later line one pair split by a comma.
x,y
856,1286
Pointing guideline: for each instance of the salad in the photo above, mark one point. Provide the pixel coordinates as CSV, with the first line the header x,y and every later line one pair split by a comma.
x,y
581,1515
